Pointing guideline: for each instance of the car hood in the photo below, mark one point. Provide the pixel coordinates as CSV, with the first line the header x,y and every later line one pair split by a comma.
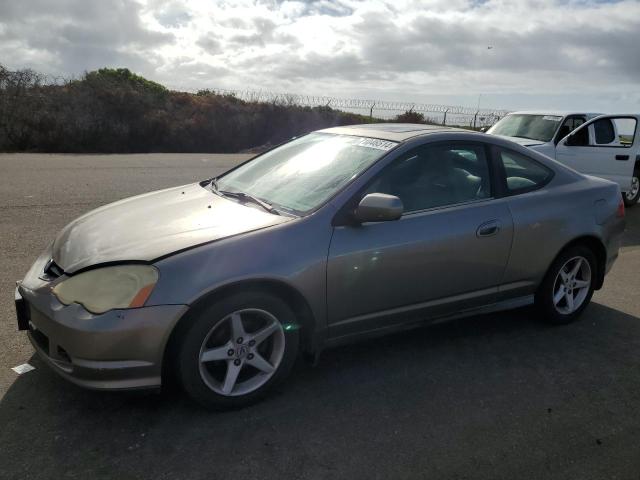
x,y
525,142
153,225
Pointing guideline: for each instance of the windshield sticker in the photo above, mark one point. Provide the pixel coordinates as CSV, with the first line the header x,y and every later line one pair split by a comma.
x,y
376,143
552,118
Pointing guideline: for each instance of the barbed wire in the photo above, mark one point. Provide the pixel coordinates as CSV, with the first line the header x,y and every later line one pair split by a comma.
x,y
438,113
448,113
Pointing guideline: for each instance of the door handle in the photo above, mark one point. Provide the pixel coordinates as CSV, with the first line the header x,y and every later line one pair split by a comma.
x,y
488,229
622,157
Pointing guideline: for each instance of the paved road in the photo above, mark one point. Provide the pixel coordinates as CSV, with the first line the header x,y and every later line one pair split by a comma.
x,y
497,396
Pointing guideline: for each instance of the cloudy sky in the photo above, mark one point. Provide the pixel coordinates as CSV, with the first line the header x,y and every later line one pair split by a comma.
x,y
544,53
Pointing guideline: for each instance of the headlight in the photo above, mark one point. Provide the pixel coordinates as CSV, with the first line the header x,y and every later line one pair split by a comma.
x,y
102,289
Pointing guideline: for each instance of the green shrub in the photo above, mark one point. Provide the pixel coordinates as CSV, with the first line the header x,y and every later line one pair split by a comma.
x,y
116,111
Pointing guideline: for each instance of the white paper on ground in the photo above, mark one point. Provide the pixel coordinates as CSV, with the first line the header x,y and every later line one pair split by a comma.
x,y
24,368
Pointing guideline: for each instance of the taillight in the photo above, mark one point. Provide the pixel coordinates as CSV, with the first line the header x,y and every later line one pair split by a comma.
x,y
620,210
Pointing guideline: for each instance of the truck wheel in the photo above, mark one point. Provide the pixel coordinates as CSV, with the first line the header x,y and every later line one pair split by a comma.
x,y
631,197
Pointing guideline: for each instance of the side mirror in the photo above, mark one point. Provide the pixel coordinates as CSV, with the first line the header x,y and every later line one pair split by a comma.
x,y
378,207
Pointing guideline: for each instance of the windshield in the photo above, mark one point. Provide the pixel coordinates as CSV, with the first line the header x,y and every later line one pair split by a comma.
x,y
534,127
301,175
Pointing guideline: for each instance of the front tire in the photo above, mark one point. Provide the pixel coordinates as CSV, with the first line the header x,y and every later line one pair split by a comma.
x,y
237,349
568,286
631,197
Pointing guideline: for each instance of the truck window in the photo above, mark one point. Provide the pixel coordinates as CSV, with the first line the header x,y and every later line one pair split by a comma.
x,y
626,130
533,127
604,131
614,132
569,125
579,138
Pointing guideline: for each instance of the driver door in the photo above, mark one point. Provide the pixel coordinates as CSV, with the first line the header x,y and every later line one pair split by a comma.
x,y
607,146
447,252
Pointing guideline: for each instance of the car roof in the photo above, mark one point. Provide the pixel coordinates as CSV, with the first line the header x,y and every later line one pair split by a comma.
x,y
401,132
396,132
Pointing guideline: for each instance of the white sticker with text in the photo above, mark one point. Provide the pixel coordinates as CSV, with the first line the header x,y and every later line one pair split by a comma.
x,y
376,143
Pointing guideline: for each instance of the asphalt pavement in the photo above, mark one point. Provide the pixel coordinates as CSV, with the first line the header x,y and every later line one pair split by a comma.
x,y
498,396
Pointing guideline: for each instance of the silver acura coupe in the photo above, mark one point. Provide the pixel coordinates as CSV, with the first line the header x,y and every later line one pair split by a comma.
x,y
337,235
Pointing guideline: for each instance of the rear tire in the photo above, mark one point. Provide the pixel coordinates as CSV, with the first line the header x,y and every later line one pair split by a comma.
x,y
568,286
631,197
237,349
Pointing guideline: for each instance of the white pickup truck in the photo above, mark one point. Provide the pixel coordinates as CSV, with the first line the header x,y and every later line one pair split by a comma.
x,y
606,146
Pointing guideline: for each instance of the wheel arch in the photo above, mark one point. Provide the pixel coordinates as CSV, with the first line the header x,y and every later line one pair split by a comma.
x,y
289,294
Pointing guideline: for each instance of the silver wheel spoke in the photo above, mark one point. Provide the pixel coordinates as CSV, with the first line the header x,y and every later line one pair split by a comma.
x,y
564,275
559,295
581,283
216,353
569,298
261,335
576,267
260,363
237,329
230,378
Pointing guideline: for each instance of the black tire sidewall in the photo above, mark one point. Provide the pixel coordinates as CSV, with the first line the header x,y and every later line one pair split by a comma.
x,y
544,296
204,320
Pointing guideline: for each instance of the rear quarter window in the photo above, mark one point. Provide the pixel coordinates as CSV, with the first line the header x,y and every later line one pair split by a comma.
x,y
523,174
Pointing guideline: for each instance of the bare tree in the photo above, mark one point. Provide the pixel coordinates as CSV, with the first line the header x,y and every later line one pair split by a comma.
x,y
21,101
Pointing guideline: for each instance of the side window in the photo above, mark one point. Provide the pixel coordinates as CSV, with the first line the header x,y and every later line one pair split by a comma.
x,y
577,121
604,131
626,130
614,132
568,126
522,173
436,176
579,138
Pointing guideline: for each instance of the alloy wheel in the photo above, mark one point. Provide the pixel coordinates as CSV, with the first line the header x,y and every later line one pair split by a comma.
x,y
572,284
241,352
635,188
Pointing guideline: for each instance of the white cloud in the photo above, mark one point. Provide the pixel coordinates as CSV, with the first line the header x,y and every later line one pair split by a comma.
x,y
581,54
